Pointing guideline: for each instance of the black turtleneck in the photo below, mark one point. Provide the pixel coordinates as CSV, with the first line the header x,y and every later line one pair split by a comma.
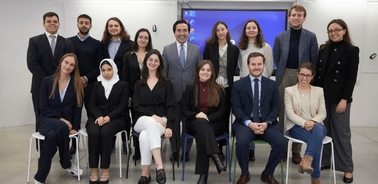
x,y
332,55
293,57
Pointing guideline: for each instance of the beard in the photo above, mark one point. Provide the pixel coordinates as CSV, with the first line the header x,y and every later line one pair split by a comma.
x,y
83,32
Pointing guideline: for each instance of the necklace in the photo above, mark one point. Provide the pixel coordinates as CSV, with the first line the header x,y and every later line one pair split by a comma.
x,y
335,48
203,89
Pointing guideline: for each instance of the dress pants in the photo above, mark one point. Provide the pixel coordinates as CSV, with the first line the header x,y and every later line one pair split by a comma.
x,y
288,79
56,136
338,126
100,141
273,135
150,132
204,133
314,140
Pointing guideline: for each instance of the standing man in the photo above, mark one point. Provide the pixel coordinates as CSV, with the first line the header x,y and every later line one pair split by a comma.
x,y
89,53
43,55
180,63
291,48
256,105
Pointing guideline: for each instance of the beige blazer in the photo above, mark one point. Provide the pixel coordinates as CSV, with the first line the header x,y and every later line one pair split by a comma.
x,y
293,106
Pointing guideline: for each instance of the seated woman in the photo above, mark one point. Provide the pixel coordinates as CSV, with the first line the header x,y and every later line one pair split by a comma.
x,y
305,112
107,117
204,106
61,99
155,111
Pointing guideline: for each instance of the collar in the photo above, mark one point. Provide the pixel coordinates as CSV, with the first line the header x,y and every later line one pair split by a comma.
x,y
251,77
179,44
82,39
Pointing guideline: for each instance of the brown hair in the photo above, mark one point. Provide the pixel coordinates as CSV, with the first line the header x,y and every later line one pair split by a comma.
x,y
75,76
213,96
307,65
298,8
214,39
50,14
106,37
259,42
346,36
159,72
135,45
254,55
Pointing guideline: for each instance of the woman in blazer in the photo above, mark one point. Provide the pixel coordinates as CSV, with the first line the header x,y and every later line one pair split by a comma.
x,y
107,117
224,56
61,99
204,105
132,67
337,72
305,112
115,43
155,111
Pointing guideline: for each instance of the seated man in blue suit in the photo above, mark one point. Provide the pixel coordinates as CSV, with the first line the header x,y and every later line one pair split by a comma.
x,y
256,106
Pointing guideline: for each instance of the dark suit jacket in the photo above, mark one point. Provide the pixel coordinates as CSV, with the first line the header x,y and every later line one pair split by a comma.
x,y
131,71
178,75
41,63
339,80
118,58
215,114
115,106
54,108
211,53
242,100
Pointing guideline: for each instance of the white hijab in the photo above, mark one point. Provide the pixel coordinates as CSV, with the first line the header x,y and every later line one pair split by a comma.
x,y
108,84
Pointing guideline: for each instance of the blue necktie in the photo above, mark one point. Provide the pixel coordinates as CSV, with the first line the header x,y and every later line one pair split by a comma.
x,y
182,55
256,117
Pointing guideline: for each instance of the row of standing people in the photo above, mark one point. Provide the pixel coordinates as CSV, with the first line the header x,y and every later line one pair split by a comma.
x,y
223,67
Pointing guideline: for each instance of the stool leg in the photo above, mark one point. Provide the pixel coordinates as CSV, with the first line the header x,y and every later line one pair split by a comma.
x,y
77,156
30,147
120,154
85,149
183,159
333,163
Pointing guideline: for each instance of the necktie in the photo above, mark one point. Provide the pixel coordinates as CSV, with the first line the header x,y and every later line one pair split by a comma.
x,y
52,43
256,117
182,55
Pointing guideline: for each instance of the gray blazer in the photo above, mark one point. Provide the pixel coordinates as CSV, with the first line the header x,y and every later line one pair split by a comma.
x,y
308,50
178,75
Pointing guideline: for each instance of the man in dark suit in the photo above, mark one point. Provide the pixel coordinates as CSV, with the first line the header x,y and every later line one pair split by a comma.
x,y
180,63
256,118
89,53
291,48
44,53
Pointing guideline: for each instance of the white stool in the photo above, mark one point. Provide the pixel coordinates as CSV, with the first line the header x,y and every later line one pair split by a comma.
x,y
326,140
83,132
37,136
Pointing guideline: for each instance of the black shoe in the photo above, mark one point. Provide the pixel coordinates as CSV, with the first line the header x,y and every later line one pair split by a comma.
x,y
144,180
72,150
202,179
173,157
252,155
136,157
186,157
348,180
160,176
218,163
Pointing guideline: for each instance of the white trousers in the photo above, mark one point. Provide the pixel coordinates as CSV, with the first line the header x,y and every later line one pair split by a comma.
x,y
150,132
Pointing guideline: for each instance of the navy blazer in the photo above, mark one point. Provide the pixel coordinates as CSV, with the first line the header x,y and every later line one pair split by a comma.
x,y
54,108
124,47
242,100
211,53
40,60
131,71
308,50
115,106
339,80
189,110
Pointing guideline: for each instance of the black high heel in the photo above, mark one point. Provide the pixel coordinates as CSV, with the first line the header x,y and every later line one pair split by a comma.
x,y
202,179
218,163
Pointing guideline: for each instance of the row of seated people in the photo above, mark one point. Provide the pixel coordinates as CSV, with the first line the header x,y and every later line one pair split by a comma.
x,y
255,104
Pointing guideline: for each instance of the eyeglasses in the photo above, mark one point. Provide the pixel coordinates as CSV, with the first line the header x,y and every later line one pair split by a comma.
x,y
302,75
334,31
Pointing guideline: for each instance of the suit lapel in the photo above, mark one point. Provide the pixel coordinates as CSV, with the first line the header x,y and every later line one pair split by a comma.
x,y
338,54
113,91
120,49
296,98
264,87
286,45
188,53
248,86
46,42
69,91
303,43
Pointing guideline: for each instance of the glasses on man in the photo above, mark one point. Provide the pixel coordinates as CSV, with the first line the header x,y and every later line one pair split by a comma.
x,y
302,75
334,31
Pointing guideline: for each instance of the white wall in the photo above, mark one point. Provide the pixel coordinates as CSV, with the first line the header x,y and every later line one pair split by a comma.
x,y
22,19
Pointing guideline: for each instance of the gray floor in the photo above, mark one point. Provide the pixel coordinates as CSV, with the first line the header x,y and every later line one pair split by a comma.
x,y
15,144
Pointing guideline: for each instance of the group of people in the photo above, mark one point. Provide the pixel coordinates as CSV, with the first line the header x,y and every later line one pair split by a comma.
x,y
116,77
